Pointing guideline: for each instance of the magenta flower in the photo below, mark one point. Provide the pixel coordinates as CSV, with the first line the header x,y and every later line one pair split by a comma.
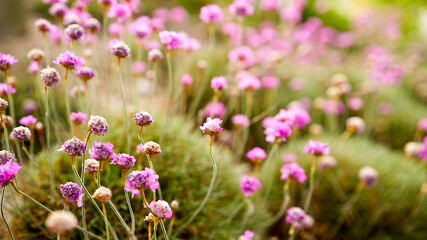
x,y
68,60
316,148
74,31
28,121
256,154
301,118
119,11
249,83
277,130
6,61
240,120
218,83
215,109
85,73
248,185
143,119
171,39
73,147
248,235
242,56
78,117
3,89
422,125
34,67
270,82
269,5
241,9
119,48
293,170
8,172
138,67
211,126
186,80
295,216
98,125
101,151
210,13
72,192
123,161
141,28
161,209
137,180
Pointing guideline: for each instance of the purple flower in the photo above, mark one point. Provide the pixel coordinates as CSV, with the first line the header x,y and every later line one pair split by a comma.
x,y
85,73
21,133
58,10
68,60
143,119
3,105
140,28
78,117
73,147
256,154
211,13
211,126
171,39
6,156
28,121
72,193
218,83
101,151
118,48
8,172
368,176
293,170
241,8
248,235
6,61
123,161
50,77
240,120
316,148
98,125
215,109
140,179
295,216
74,31
248,185
161,209
92,25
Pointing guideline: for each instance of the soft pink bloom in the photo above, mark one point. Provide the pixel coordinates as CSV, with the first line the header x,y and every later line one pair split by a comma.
x,y
6,61
137,180
422,124
215,109
249,83
269,5
218,83
295,216
68,60
240,120
423,151
248,185
161,13
301,117
291,13
289,157
4,87
344,40
191,44
157,24
270,82
355,103
161,209
256,153
116,29
34,67
293,170
242,56
241,9
210,13
332,107
211,126
178,14
296,84
139,67
186,80
316,148
150,45
28,121
171,39
248,235
277,130
119,11
78,117
140,28
8,172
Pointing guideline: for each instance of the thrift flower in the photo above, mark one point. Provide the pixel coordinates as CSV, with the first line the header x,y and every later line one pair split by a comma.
x,y
210,13
161,209
72,192
295,216
137,180
316,148
171,39
50,77
98,125
218,83
211,126
4,87
21,133
28,121
355,125
422,125
101,151
293,170
240,120
119,48
78,118
215,109
119,11
85,74
186,80
243,56
73,147
256,154
91,166
74,31
249,83
60,222
42,25
155,55
248,185
327,162
8,172
368,176
68,60
143,119
102,194
248,235
6,61
123,161
6,156
36,54
3,105
241,9
151,148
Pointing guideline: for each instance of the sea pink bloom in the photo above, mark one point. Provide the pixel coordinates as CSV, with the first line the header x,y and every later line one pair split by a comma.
x,y
4,87
332,107
34,67
211,126
316,148
157,24
139,67
119,11
8,172
242,56
101,151
293,170
178,14
270,82
210,14
68,60
256,154
215,109
186,80
423,151
248,185
248,235
73,147
72,192
241,9
28,121
240,120
301,117
116,29
269,5
140,28
422,124
137,180
218,83
161,13
277,130
295,216
161,209
368,176
355,103
6,61
171,39
249,83
123,161
78,117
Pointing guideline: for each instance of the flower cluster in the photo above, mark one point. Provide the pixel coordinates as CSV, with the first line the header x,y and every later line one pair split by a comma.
x,y
73,147
6,156
140,179
101,151
6,61
72,192
293,170
68,60
143,119
316,148
161,209
123,161
98,125
211,126
50,77
8,172
28,121
295,216
21,133
248,185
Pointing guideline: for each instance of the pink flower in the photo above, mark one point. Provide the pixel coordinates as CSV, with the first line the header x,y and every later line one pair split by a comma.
x,y
241,9
137,180
293,170
138,67
171,39
186,80
4,87
240,120
248,185
140,28
316,148
119,11
301,118
277,130
72,192
210,14
68,60
178,14
211,126
28,121
115,29
161,209
295,216
242,56
247,236
6,61
422,124
269,5
218,83
423,151
78,117
34,67
249,83
215,109
270,82
8,172
191,44
256,154
355,103
161,13
332,107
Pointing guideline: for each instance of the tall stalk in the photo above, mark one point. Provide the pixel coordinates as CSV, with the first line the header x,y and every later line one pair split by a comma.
x,y
311,188
67,103
2,215
125,119
49,156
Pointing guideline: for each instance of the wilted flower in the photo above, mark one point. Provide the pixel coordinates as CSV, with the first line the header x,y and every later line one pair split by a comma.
x,y
8,172
73,147
101,151
60,222
3,105
93,25
143,119
248,185
293,170
98,125
240,120
368,176
210,13
21,133
72,192
155,55
123,161
102,194
68,60
316,148
161,209
137,180
174,204
355,125
151,148
50,77
6,156
78,117
295,216
211,126
91,166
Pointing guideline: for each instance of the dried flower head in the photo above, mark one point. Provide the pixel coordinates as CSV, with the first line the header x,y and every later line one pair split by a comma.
x,y
161,209
60,222
119,48
3,105
368,176
143,119
327,162
151,148
42,25
73,147
36,54
355,125
174,204
85,73
50,77
155,55
21,133
91,166
102,194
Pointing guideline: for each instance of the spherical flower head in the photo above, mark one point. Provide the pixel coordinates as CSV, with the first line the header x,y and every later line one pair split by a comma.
x,y
293,170
69,18
256,155
85,73
249,83
141,29
316,148
50,77
308,222
240,120
6,156
171,39
355,125
60,222
143,119
42,25
74,31
36,54
422,125
138,67
186,80
91,166
73,147
72,192
270,82
78,118
355,103
101,151
248,235
248,185
211,126
161,209
5,87
6,61
123,161
119,11
327,162
155,55
241,8
58,10
8,172
277,131
140,179
149,218
368,176
215,109
34,67
295,216
68,60
211,13
3,104
301,118
119,48
28,121
174,204
102,194
243,56
218,83
98,125
92,25
140,149
21,133
151,148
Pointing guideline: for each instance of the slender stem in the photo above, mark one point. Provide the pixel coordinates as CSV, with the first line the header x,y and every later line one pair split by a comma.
x,y
248,113
170,84
151,166
2,215
46,49
267,164
286,199
6,138
49,156
162,225
125,119
32,159
248,213
82,174
10,99
132,216
67,103
106,220
311,187
208,194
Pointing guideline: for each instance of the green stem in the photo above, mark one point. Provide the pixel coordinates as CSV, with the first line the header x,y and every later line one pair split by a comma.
x,y
132,216
311,187
105,220
67,103
125,119
49,156
144,201
267,164
170,84
2,215
32,159
151,167
282,210
6,134
10,99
